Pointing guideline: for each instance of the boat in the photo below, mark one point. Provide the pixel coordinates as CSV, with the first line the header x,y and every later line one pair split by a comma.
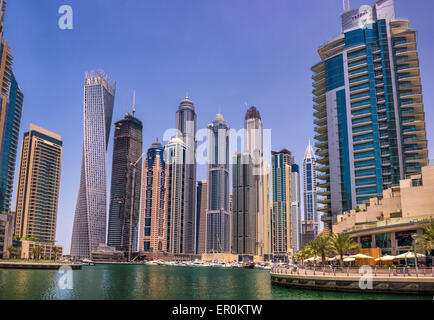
x,y
248,265
87,262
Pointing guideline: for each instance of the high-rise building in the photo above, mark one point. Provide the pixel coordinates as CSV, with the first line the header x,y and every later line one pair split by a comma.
x,y
254,147
11,104
368,108
295,206
244,206
38,185
266,209
202,190
89,229
125,184
282,218
309,188
218,218
178,223
186,127
153,214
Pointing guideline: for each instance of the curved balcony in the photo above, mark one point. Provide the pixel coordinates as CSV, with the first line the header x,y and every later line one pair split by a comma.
x,y
322,145
322,152
320,106
320,114
321,130
323,160
323,185
321,121
319,99
323,176
321,137
319,91
324,168
321,82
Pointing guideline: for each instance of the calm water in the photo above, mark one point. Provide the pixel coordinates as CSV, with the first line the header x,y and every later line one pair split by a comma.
x,y
157,282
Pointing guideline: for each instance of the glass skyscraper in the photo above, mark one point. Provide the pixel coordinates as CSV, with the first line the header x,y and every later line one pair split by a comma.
x,y
179,225
125,184
153,214
201,198
218,216
295,206
186,125
368,108
282,221
11,104
89,229
309,188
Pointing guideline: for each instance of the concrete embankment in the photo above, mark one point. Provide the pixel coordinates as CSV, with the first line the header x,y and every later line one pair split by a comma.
x,y
380,284
39,266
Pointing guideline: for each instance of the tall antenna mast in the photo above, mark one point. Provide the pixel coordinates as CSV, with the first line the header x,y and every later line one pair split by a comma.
x,y
346,5
134,102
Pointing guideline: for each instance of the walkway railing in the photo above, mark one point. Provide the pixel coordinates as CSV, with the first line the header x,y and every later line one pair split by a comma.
x,y
355,271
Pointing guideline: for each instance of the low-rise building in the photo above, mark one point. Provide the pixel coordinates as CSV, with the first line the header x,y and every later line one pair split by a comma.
x,y
108,254
46,253
388,222
6,233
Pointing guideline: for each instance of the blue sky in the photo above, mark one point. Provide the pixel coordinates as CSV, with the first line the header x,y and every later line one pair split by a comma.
x,y
225,52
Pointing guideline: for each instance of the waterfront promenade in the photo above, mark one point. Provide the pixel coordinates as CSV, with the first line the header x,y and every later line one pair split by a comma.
x,y
373,280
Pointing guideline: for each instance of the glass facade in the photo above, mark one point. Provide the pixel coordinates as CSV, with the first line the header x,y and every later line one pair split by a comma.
x,y
90,219
367,96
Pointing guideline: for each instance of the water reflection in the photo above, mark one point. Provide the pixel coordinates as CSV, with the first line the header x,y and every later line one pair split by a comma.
x,y
157,282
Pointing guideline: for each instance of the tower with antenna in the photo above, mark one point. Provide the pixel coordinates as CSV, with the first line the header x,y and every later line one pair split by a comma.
x,y
346,5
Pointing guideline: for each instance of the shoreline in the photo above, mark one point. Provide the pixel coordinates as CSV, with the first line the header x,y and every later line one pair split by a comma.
x,y
350,284
38,266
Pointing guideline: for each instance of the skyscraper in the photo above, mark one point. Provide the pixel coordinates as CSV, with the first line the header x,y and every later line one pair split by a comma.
x,y
282,218
125,184
202,190
38,185
369,112
295,206
178,223
186,126
217,213
254,147
266,209
244,206
309,188
11,104
153,214
89,229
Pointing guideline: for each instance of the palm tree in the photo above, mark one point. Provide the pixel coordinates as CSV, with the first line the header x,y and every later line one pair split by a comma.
x,y
321,246
341,243
55,251
303,254
36,252
12,251
425,241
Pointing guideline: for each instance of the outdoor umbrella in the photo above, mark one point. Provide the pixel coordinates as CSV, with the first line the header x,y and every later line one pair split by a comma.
x,y
386,258
409,255
349,259
360,256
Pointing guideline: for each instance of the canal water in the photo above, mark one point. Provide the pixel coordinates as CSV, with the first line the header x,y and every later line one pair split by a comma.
x,y
158,282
